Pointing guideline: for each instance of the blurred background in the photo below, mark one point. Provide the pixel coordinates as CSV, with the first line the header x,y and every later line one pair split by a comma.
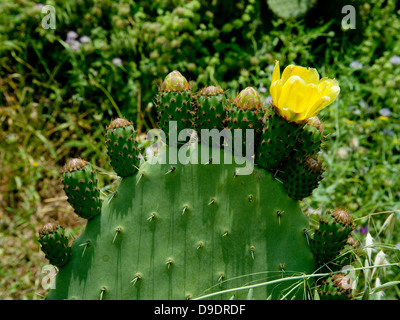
x,y
60,87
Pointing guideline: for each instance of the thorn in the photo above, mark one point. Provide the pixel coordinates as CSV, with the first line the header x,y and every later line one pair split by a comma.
x,y
306,234
84,244
279,213
208,162
226,233
135,279
152,217
102,292
252,251
184,209
169,263
171,170
200,245
212,201
282,267
221,277
112,196
250,198
117,231
141,175
236,173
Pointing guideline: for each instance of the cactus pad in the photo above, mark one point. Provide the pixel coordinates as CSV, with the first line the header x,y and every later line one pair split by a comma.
x,y
198,237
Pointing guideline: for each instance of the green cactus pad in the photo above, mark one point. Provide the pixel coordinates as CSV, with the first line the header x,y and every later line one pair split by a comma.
x,y
210,105
122,147
210,229
54,244
301,177
80,185
332,235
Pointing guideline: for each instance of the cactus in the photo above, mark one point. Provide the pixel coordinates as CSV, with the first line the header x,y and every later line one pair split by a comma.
x,y
182,229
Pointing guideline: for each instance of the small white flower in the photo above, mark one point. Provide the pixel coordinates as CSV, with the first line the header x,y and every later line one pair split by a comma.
x,y
85,39
72,35
75,45
117,62
268,100
356,65
342,153
395,60
262,89
385,112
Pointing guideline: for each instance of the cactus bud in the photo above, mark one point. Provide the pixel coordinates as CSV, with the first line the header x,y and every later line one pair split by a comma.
x,y
248,99
54,244
122,147
175,81
80,185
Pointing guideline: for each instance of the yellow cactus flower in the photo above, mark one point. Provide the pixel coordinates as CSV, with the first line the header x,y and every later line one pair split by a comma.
x,y
299,94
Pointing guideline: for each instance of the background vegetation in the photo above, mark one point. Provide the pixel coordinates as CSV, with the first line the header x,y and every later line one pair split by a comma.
x,y
59,88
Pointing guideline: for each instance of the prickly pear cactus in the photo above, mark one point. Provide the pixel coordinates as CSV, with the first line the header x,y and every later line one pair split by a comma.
x,y
193,219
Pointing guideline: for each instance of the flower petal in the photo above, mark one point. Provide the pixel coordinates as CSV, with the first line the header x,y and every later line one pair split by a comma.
x,y
330,88
309,75
319,105
276,75
275,91
292,93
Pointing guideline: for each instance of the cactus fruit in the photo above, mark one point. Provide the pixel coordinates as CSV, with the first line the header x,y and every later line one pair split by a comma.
x,y
332,235
80,185
278,138
210,108
174,103
184,229
122,147
310,140
336,287
246,112
54,244
301,177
